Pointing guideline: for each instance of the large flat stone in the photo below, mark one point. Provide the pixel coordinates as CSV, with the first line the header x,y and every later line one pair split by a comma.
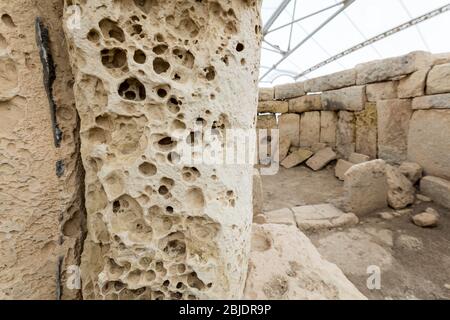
x,y
413,85
309,128
273,106
316,212
265,94
429,141
328,127
285,265
351,99
381,91
366,138
281,216
436,101
393,125
289,90
289,126
437,189
337,80
321,159
365,186
295,158
310,102
438,80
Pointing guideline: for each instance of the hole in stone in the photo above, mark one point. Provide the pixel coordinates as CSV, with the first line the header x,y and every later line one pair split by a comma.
x,y
146,5
160,49
139,56
210,73
8,21
160,65
114,58
132,89
166,143
240,47
162,93
163,190
169,209
93,35
173,158
110,29
148,169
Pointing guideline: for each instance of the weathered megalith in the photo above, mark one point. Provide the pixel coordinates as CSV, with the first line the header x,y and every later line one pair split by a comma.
x,y
41,210
149,75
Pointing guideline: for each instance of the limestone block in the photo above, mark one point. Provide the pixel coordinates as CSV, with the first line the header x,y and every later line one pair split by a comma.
x,y
400,190
273,106
328,127
412,171
281,216
266,94
147,74
437,189
358,158
441,58
438,80
345,134
367,131
297,157
429,143
337,80
365,186
341,168
350,99
289,90
313,218
321,159
413,85
381,91
309,128
258,194
42,221
310,102
390,68
316,147
393,125
426,219
283,148
289,126
266,121
436,101
285,265
316,212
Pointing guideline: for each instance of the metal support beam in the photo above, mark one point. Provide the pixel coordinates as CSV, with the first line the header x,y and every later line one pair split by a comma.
x,y
378,37
275,16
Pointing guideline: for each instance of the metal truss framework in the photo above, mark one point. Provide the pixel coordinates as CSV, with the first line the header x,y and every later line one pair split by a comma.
x,y
342,5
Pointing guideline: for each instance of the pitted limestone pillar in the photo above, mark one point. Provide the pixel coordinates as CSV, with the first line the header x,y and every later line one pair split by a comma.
x,y
146,72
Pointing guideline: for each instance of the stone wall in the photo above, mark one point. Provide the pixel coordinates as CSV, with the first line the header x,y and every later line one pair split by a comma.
x,y
396,109
149,75
41,210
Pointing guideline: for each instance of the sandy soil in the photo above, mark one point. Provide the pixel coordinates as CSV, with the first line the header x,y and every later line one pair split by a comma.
x,y
414,262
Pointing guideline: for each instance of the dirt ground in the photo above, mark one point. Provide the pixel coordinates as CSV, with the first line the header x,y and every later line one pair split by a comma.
x,y
414,262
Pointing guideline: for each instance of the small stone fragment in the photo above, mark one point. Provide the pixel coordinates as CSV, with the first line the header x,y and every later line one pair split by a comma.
x,y
411,170
426,219
296,158
321,159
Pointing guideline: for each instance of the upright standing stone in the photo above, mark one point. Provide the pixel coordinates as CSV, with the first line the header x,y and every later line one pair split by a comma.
x,y
345,134
438,80
289,125
309,128
367,130
148,75
393,125
328,126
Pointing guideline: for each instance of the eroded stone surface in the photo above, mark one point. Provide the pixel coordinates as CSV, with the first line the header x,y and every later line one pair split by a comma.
x,y
148,74
367,131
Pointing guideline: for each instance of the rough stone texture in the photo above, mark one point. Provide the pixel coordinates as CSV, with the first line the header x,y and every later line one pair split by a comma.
x,y
258,194
158,227
316,212
310,102
441,58
413,85
393,125
337,80
381,91
283,148
367,131
438,80
289,90
41,215
358,158
273,106
345,134
296,157
341,168
365,187
284,264
266,94
321,159
412,171
350,99
318,146
429,143
281,216
289,126
427,219
387,69
328,127
436,101
309,128
437,189
400,190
